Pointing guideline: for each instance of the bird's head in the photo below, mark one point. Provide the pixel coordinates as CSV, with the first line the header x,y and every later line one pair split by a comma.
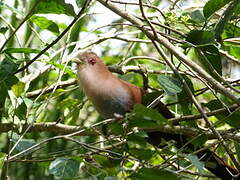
x,y
90,66
87,59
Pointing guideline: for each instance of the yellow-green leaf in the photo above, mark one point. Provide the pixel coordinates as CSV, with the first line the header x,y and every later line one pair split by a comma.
x,y
18,89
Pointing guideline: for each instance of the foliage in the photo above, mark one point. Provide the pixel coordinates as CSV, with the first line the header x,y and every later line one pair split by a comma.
x,y
41,104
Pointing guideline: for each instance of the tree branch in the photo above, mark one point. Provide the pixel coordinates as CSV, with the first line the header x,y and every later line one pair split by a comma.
x,y
67,129
46,127
50,88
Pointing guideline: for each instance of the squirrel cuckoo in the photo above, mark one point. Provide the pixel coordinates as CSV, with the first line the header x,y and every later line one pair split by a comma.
x,y
111,95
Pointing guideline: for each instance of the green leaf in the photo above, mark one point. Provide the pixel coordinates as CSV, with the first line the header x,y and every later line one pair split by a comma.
x,y
231,31
7,68
144,117
197,16
207,53
4,94
234,51
212,6
10,81
3,30
18,88
136,140
54,7
196,162
64,167
212,54
150,173
170,84
231,118
80,3
2,158
116,128
24,144
21,111
185,101
62,67
22,50
105,161
210,60
199,140
68,103
142,123
3,97
143,154
44,23
199,37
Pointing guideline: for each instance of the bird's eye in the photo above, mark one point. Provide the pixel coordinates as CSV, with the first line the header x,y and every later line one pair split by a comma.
x,y
92,61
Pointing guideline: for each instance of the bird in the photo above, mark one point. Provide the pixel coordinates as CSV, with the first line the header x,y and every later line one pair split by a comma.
x,y
108,94
111,95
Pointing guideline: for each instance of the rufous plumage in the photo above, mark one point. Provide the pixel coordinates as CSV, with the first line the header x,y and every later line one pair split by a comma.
x,y
108,93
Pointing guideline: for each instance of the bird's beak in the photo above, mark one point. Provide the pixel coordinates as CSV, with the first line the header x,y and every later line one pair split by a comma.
x,y
78,61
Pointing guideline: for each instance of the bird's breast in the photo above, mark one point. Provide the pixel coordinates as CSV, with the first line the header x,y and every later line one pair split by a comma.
x,y
108,94
116,100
